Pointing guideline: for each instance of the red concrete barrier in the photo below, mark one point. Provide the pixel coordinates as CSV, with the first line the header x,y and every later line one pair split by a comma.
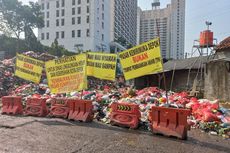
x,y
36,107
81,110
169,121
60,107
125,114
12,105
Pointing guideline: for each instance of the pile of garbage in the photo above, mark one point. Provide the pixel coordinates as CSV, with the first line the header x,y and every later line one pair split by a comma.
x,y
207,115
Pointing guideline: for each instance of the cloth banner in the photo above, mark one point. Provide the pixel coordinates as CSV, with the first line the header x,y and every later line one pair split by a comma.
x,y
28,68
101,65
141,60
67,74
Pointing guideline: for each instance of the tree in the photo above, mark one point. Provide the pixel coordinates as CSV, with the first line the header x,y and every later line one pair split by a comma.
x,y
8,44
4,29
20,18
124,42
58,50
11,17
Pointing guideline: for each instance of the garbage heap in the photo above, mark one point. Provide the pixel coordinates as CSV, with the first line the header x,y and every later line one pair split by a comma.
x,y
207,115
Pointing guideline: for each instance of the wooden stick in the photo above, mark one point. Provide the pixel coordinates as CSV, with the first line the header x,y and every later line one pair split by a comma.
x,y
172,77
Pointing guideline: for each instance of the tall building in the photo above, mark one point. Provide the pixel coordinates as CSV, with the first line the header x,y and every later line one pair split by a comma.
x,y
124,20
177,28
88,24
77,24
168,23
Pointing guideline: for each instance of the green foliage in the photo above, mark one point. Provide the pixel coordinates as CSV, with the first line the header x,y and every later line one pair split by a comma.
x,y
10,11
19,18
16,19
58,50
124,42
8,44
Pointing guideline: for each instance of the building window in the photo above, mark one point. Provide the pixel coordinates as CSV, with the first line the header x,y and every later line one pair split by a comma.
x,y
87,9
103,7
78,33
87,33
79,2
63,3
57,13
43,6
78,20
47,36
48,5
73,11
47,23
73,2
103,16
62,22
73,21
102,37
73,33
57,35
47,14
87,19
43,15
63,12
62,34
102,25
87,1
57,4
79,10
57,22
43,36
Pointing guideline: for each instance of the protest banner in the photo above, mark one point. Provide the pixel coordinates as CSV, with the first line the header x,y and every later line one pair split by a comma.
x,y
28,68
101,65
141,60
67,74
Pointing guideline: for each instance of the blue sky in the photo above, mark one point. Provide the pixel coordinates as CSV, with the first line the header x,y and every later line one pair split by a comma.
x,y
197,12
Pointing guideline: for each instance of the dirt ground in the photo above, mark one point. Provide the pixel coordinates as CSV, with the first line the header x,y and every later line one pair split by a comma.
x,y
50,135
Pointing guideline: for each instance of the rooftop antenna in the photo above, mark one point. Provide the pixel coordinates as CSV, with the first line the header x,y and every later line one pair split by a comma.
x,y
208,24
156,4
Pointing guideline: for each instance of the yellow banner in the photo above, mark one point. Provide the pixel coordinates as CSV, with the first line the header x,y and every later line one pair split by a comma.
x,y
67,74
141,60
101,65
28,68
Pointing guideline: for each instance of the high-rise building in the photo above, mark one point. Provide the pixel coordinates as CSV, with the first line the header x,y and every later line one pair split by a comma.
x,y
168,23
88,24
77,24
124,20
177,28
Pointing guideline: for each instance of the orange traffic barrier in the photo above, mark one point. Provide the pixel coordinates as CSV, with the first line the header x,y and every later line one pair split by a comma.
x,y
125,114
12,105
36,107
60,107
81,110
169,121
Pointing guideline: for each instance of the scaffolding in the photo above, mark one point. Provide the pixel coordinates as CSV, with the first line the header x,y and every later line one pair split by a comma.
x,y
200,49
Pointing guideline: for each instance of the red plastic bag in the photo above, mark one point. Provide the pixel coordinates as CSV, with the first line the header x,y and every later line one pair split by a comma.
x,y
209,117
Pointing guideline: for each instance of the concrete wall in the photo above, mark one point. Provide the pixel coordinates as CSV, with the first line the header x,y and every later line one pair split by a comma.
x,y
217,81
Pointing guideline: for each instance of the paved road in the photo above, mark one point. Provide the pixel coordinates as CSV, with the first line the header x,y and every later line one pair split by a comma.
x,y
46,135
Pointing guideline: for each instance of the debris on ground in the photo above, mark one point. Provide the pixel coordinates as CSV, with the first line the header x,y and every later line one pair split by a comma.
x,y
207,115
